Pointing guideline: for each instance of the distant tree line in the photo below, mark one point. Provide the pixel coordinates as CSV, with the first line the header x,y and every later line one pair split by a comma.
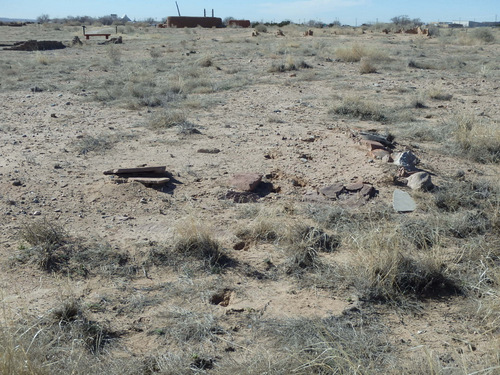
x,y
87,20
402,21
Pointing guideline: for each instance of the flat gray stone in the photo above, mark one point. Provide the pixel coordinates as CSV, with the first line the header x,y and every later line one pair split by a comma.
x,y
332,191
402,201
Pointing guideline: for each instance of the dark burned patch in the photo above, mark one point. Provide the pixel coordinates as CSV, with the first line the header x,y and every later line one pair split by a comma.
x,y
34,45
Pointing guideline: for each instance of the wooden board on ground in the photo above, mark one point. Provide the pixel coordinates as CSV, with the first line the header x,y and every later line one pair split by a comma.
x,y
138,170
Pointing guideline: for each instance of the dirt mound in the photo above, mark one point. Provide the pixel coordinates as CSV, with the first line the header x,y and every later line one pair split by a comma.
x,y
33,45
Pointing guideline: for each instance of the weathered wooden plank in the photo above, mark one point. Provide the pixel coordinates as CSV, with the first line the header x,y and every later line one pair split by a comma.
x,y
150,180
138,170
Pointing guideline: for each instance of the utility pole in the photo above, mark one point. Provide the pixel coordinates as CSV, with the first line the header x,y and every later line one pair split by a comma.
x,y
178,11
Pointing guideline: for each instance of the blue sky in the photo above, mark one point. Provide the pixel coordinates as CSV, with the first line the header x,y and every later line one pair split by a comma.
x,y
346,11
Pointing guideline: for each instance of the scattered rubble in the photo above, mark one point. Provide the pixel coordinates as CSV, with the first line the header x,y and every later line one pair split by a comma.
x,y
359,190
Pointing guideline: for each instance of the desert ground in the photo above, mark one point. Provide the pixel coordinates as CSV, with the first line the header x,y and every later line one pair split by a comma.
x,y
268,272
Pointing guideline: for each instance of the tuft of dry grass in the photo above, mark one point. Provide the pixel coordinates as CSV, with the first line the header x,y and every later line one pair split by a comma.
x,y
352,53
366,67
356,108
194,241
165,119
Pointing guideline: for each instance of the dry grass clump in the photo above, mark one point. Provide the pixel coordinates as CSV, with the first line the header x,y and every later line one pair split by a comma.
x,y
288,65
261,28
114,53
352,53
49,245
261,230
388,272
357,52
475,137
61,342
302,245
205,62
166,118
356,108
483,35
89,143
366,67
349,344
193,241
437,94
184,326
52,250
42,58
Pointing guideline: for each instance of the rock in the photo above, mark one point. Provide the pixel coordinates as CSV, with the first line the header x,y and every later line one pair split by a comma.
x,y
313,196
387,159
373,145
368,191
37,213
402,201
16,183
246,181
379,154
385,140
357,186
332,191
407,160
420,181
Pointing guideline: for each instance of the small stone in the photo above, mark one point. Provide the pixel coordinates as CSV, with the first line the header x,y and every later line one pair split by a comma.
x,y
16,183
372,145
407,160
143,200
313,196
357,186
379,154
246,181
403,202
420,181
37,213
332,191
387,158
367,191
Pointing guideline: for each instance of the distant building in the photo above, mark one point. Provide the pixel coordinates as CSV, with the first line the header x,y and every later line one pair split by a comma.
x,y
125,18
475,24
